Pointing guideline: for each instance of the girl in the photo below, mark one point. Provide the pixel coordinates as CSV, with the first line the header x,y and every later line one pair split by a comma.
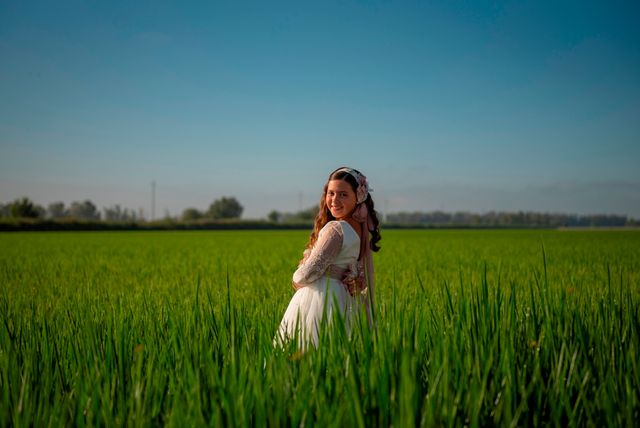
x,y
335,275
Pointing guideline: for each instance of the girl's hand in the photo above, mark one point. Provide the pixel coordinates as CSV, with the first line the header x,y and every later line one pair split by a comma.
x,y
355,287
296,286
354,282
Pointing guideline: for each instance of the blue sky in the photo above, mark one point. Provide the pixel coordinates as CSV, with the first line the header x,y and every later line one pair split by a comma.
x,y
476,106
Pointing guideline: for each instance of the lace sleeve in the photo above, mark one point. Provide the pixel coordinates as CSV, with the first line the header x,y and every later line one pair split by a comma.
x,y
324,252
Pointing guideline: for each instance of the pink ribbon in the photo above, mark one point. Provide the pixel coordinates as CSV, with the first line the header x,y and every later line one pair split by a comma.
x,y
361,215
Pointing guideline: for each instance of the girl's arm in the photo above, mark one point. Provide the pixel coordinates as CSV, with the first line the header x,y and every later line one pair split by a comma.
x,y
323,253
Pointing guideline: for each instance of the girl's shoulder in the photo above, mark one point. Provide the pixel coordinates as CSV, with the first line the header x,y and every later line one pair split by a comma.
x,y
334,228
348,227
332,225
339,228
331,232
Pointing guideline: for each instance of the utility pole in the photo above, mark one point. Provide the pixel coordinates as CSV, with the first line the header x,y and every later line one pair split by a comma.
x,y
153,200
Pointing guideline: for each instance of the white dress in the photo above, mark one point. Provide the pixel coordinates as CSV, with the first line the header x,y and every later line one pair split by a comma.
x,y
335,252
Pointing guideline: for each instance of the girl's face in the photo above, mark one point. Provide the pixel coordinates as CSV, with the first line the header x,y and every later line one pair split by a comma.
x,y
341,199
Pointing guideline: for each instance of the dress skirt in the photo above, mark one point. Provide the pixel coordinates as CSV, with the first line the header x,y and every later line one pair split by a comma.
x,y
312,308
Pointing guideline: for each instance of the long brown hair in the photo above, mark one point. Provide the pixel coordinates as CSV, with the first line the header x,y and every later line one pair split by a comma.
x,y
324,214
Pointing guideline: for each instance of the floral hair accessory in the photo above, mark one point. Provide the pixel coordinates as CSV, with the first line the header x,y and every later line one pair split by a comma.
x,y
363,185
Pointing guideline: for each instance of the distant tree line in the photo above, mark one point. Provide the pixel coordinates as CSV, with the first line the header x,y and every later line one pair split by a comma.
x,y
509,219
223,208
228,207
84,210
303,216
462,218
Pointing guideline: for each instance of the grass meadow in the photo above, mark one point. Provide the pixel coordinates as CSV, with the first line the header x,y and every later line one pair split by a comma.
x,y
474,328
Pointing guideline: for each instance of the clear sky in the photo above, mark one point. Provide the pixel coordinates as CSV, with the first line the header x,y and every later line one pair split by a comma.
x,y
452,105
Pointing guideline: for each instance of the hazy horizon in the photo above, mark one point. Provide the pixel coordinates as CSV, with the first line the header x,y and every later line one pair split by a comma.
x,y
448,198
523,106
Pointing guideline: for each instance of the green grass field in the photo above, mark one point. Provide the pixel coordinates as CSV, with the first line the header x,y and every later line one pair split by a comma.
x,y
508,328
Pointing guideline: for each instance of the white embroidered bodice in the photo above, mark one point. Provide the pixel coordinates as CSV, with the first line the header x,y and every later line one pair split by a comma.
x,y
337,248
